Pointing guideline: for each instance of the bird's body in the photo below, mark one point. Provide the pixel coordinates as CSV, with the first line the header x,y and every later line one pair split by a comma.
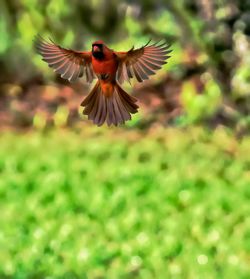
x,y
107,101
105,66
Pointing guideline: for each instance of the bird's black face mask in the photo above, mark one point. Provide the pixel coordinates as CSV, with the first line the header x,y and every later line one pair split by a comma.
x,y
97,51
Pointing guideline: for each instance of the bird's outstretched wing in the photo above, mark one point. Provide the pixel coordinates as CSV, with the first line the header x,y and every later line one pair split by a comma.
x,y
141,62
68,63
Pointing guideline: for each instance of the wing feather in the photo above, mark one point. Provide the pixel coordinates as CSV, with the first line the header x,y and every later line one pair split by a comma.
x,y
142,62
68,63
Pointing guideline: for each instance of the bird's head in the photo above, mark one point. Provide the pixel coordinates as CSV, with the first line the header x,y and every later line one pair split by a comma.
x,y
97,49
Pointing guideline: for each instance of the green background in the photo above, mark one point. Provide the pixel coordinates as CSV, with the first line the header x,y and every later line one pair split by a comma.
x,y
160,197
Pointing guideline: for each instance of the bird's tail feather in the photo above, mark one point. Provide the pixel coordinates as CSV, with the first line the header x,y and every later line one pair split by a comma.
x,y
114,108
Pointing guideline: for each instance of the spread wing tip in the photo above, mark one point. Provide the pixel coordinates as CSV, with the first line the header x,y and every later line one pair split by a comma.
x,y
69,64
40,43
38,39
144,61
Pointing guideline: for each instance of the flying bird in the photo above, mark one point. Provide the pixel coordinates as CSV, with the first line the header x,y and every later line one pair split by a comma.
x,y
107,101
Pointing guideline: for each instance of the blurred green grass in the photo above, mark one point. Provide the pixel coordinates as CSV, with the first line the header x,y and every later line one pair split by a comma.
x,y
108,203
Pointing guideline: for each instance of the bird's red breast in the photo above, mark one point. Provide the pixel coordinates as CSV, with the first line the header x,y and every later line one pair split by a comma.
x,y
108,64
104,66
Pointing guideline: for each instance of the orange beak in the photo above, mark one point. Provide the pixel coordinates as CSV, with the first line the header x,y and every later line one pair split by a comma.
x,y
96,48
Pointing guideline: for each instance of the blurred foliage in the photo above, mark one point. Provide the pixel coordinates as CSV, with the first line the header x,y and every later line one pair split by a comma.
x,y
105,203
210,39
120,202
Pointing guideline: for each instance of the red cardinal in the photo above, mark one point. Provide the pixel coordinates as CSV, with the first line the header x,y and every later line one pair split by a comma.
x,y
107,101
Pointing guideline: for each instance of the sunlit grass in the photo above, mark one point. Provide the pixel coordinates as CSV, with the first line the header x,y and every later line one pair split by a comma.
x,y
107,203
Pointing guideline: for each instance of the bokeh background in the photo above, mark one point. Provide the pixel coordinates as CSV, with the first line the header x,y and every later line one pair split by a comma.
x,y
164,196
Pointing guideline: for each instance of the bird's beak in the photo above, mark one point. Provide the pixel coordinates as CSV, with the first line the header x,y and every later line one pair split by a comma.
x,y
96,48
